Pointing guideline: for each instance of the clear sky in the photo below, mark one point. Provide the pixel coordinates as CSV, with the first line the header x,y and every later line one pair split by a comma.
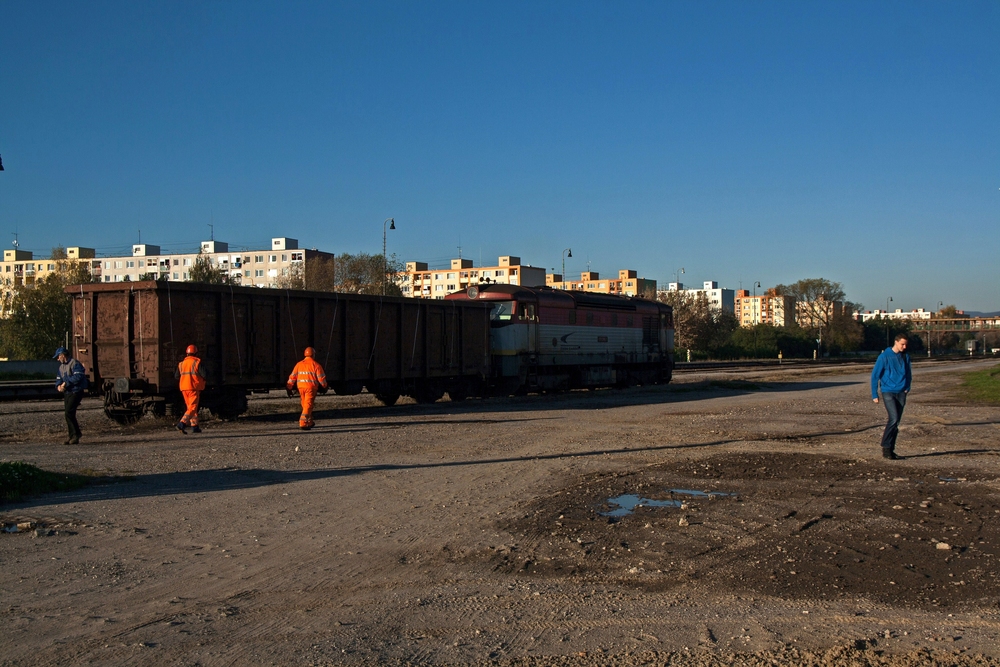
x,y
744,141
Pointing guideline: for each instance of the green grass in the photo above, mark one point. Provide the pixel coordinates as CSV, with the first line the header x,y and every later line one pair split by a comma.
x,y
983,385
19,479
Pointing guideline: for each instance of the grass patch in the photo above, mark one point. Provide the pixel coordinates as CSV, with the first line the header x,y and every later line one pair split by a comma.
x,y
983,385
19,479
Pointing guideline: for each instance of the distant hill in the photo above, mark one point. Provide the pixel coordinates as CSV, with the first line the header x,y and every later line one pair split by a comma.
x,y
976,313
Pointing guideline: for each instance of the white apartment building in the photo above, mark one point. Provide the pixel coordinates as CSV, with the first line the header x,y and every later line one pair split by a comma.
x,y
898,314
250,268
719,298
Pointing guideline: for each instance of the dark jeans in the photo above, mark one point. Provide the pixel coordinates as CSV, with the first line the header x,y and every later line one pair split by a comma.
x,y
894,403
71,400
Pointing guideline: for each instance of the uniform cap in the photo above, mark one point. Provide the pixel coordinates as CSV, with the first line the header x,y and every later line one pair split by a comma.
x,y
60,350
310,352
191,349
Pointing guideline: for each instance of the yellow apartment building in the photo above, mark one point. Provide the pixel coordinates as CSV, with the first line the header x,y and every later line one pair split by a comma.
x,y
419,282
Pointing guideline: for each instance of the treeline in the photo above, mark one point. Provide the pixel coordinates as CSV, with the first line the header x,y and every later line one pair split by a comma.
x,y
709,333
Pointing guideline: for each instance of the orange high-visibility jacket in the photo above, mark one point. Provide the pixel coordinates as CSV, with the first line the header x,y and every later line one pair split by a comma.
x,y
190,374
307,373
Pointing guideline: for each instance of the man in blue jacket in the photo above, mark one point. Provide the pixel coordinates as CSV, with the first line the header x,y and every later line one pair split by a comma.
x,y
892,372
71,381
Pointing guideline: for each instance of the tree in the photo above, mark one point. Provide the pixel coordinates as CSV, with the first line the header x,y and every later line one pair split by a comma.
x,y
822,309
366,274
41,314
697,326
204,272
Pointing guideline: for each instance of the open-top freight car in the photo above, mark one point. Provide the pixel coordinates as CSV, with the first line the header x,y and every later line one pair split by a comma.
x,y
544,339
131,336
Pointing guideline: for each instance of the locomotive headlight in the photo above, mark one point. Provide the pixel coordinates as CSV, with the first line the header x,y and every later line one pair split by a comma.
x,y
473,292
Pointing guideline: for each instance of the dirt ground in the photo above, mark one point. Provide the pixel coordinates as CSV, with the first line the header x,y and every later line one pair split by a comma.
x,y
729,517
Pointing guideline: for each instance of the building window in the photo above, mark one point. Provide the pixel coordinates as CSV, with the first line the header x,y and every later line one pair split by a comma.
x,y
296,256
284,258
498,273
272,259
451,288
176,262
451,276
187,262
438,288
258,273
258,258
175,275
118,265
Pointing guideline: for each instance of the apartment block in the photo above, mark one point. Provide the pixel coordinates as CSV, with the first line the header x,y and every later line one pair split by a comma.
x,y
719,298
628,283
767,308
898,314
422,283
20,268
262,267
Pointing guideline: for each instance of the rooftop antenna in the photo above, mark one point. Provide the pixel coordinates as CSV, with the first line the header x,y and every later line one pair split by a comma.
x,y
212,230
15,236
460,246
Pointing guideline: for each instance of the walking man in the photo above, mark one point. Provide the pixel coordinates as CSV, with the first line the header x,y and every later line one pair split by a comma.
x,y
191,378
892,372
309,378
71,381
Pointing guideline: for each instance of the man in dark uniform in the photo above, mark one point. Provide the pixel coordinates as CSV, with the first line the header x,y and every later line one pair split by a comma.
x,y
71,381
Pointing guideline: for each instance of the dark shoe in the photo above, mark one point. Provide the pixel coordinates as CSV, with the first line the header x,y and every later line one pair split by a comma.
x,y
890,455
73,441
195,429
180,427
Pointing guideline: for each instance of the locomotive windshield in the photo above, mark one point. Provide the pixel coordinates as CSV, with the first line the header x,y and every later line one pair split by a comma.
x,y
503,311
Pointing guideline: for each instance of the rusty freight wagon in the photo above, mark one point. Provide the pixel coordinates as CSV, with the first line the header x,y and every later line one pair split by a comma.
x,y
131,336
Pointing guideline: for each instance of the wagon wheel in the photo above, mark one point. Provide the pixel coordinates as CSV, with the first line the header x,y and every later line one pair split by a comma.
x,y
388,398
459,391
124,416
428,393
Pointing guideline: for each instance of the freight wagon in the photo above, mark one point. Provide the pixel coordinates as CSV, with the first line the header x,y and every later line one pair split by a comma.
x,y
131,336
543,339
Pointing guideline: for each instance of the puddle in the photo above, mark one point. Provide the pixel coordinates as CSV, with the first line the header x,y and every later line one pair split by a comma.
x,y
629,502
952,479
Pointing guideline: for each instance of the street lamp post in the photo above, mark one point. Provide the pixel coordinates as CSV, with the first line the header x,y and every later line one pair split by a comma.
x,y
568,252
385,263
887,300
677,278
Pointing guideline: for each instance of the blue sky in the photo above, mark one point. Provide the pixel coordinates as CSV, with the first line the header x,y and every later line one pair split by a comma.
x,y
743,141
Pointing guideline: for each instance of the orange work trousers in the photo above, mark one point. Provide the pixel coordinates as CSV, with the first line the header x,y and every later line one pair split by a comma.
x,y
307,396
191,398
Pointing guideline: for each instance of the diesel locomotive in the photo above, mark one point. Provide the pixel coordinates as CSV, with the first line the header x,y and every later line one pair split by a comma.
x,y
544,339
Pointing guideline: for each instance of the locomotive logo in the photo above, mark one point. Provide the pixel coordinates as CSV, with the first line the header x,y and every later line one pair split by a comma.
x,y
565,344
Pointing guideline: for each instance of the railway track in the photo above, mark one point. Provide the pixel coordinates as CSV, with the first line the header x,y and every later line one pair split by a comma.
x,y
35,390
28,390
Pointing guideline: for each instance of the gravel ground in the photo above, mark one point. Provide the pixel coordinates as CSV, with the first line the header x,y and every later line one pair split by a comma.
x,y
728,517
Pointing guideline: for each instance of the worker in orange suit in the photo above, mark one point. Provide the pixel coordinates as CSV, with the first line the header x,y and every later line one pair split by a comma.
x,y
310,379
191,376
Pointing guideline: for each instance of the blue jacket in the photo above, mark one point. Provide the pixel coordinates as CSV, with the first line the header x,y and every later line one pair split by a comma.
x,y
892,371
74,375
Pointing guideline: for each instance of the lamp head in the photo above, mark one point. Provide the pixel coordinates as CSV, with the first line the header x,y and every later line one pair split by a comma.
x,y
392,223
569,252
